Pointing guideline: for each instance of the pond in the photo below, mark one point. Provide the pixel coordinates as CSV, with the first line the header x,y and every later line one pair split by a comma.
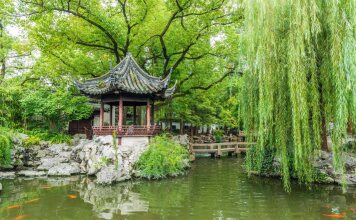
x,y
212,189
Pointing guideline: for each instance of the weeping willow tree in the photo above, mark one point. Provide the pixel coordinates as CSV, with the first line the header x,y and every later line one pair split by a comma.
x,y
300,77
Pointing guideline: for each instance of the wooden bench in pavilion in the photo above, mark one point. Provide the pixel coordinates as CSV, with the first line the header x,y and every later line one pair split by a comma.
x,y
127,86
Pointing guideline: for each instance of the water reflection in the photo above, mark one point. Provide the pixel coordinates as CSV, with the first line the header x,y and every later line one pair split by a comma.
x,y
110,200
213,189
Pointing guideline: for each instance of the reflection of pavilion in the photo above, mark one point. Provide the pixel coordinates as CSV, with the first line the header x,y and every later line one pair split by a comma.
x,y
128,92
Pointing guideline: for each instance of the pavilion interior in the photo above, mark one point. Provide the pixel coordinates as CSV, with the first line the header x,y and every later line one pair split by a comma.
x,y
134,113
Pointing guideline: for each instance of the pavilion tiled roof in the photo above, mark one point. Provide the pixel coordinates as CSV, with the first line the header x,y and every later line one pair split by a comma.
x,y
127,77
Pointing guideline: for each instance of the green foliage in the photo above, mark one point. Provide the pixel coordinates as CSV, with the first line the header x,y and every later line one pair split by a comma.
x,y
59,138
5,146
31,140
163,158
218,134
39,134
300,76
10,110
266,166
54,109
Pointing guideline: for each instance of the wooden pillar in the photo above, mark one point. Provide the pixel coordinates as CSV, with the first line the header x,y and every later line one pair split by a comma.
x,y
110,115
120,116
101,114
148,115
153,113
134,115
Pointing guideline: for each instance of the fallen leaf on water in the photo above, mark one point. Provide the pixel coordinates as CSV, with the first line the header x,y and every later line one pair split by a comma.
x,y
334,215
72,196
32,201
14,206
19,217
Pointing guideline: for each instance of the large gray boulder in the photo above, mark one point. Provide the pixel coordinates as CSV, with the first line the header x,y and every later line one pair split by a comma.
x,y
48,163
64,169
108,175
31,173
7,175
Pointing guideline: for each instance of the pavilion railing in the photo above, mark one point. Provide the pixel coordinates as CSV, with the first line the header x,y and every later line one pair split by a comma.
x,y
127,130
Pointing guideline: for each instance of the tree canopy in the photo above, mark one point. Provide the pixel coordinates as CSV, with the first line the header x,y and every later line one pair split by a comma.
x,y
68,40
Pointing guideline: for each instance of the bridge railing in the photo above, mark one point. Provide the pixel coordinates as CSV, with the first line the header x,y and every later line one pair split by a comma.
x,y
219,148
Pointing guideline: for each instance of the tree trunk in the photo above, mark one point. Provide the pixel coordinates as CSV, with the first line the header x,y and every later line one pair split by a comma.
x,y
181,127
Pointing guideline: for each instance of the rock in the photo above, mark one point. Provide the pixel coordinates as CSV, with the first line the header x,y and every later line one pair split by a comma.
x,y
42,153
7,175
58,148
64,169
48,163
31,173
350,179
109,175
18,138
350,163
104,140
7,167
89,157
105,215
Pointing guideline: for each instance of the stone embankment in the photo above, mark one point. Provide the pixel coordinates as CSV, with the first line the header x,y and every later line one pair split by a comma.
x,y
97,157
326,173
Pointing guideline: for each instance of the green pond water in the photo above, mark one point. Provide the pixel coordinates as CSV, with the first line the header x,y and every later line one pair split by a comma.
x,y
212,189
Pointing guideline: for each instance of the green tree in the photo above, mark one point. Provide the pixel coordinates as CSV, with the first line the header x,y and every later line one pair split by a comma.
x,y
54,109
189,38
300,76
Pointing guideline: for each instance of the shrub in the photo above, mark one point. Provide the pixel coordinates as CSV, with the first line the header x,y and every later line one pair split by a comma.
x,y
44,135
31,140
5,147
163,158
60,138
